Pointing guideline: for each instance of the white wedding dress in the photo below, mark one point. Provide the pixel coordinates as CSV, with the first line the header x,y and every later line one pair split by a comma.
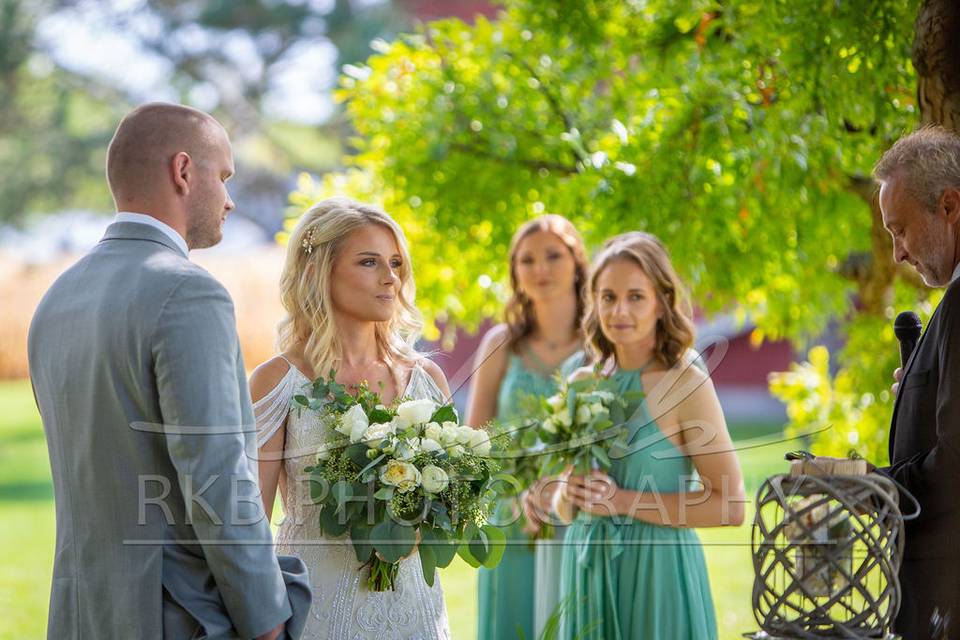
x,y
343,607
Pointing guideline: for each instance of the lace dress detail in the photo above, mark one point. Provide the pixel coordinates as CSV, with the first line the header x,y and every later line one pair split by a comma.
x,y
343,607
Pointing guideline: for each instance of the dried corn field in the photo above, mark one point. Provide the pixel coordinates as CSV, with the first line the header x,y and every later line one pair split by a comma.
x,y
251,278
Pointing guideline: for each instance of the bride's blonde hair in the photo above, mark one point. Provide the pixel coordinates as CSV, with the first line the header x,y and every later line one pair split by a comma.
x,y
305,287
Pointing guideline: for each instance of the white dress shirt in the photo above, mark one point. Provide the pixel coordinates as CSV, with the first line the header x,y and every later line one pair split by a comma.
x,y
126,216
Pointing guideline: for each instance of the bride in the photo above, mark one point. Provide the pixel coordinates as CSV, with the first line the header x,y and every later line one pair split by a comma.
x,y
348,291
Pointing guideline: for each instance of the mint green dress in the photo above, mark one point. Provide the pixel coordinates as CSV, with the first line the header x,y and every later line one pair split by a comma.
x,y
507,595
633,579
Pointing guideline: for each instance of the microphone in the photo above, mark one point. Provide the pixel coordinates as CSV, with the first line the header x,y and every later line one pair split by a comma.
x,y
907,328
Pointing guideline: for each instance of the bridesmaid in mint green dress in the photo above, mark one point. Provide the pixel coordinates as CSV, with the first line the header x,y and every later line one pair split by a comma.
x,y
632,560
540,338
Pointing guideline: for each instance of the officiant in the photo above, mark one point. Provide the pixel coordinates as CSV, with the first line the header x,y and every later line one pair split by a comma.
x,y
920,204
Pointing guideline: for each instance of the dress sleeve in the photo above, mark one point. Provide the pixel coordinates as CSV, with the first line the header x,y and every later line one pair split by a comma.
x,y
271,410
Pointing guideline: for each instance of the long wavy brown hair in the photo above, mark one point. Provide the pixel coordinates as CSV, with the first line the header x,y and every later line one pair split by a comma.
x,y
675,330
518,313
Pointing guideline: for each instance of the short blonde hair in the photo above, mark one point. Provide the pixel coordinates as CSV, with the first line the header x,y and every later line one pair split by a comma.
x,y
305,287
675,330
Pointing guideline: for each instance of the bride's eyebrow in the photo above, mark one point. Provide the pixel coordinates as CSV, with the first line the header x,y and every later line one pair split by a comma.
x,y
375,254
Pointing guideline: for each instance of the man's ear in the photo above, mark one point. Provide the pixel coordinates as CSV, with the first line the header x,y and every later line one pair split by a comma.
x,y
181,166
950,204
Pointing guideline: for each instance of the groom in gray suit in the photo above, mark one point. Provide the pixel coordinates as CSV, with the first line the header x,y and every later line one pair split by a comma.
x,y
137,372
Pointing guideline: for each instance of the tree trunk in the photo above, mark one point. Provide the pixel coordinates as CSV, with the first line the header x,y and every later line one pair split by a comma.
x,y
936,57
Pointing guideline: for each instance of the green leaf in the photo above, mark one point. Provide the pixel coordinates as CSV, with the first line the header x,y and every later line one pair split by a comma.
x,y
341,492
372,464
301,400
446,413
442,545
464,552
319,490
379,416
601,456
331,523
360,537
428,563
358,454
480,546
384,493
393,540
498,540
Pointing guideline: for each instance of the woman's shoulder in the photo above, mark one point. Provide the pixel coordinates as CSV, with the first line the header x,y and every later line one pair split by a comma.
x,y
433,370
268,375
581,373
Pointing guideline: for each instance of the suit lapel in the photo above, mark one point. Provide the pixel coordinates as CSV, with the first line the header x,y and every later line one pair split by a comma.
x,y
906,370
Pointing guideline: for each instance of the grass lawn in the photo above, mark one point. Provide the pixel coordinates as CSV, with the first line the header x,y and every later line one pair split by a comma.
x,y
27,530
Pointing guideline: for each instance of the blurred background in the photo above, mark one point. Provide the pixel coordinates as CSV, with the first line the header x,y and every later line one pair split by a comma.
x,y
742,132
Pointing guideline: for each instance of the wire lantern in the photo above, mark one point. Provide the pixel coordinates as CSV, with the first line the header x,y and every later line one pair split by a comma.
x,y
826,552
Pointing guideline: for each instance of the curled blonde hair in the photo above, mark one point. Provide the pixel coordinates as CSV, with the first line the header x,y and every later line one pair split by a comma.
x,y
675,330
518,313
305,287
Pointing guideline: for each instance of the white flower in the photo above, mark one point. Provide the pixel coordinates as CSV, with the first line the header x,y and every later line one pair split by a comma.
x,y
563,419
604,396
480,442
377,433
353,423
405,450
402,475
433,431
416,411
596,408
449,433
556,402
549,426
583,414
430,445
434,479
465,434
456,451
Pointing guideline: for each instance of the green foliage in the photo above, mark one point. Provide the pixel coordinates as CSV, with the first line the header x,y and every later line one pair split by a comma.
x,y
738,132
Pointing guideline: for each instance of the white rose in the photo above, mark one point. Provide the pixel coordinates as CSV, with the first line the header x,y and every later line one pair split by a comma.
x,y
596,408
556,402
416,411
480,442
430,445
449,433
549,426
433,431
563,419
434,479
464,434
377,433
604,396
405,450
456,451
402,475
583,414
353,423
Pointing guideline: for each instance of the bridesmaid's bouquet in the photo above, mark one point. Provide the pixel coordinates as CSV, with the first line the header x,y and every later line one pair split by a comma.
x,y
583,424
401,477
581,428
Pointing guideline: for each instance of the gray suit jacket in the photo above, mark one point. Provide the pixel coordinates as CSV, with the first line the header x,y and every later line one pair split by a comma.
x,y
137,371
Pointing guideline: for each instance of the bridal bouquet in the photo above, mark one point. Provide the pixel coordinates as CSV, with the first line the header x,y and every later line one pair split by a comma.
x,y
583,423
402,477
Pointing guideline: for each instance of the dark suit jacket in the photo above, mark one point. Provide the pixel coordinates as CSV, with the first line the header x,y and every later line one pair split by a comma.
x,y
925,459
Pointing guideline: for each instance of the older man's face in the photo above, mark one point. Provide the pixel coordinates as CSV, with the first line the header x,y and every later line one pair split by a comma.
x,y
921,237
